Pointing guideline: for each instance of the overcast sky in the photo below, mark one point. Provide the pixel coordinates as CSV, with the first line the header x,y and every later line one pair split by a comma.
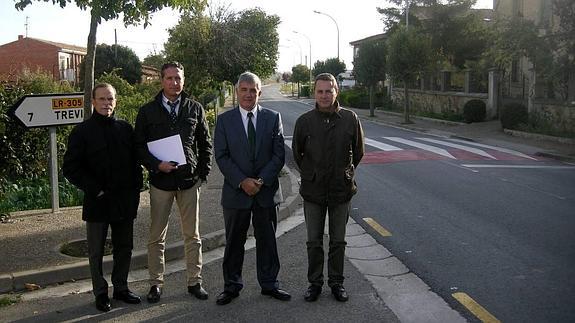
x,y
356,20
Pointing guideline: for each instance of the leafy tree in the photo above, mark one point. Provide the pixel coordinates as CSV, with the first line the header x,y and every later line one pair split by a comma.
x,y
221,46
120,58
154,60
332,65
409,55
457,33
369,67
133,13
299,74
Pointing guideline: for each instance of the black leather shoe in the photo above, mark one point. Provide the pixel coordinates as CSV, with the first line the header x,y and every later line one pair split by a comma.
x,y
127,297
277,293
103,303
154,294
198,291
226,297
312,293
339,293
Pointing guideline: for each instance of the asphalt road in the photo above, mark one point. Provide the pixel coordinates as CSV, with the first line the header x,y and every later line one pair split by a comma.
x,y
495,225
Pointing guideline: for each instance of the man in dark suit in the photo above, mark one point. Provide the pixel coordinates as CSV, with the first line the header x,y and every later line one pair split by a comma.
x,y
249,150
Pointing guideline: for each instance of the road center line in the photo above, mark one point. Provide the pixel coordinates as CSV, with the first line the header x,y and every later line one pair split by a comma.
x,y
381,230
479,311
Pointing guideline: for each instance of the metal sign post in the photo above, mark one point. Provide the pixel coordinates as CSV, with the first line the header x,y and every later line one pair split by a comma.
x,y
50,110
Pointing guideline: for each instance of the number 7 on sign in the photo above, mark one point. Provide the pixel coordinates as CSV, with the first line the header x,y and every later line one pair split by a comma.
x,y
31,114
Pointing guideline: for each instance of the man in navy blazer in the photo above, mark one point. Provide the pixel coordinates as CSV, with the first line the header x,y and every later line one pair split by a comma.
x,y
249,150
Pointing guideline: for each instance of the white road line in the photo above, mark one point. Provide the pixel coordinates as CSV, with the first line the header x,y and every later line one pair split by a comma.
x,y
287,143
517,166
509,151
429,148
461,147
380,145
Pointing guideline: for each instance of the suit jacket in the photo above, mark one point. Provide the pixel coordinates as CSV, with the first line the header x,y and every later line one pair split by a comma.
x,y
231,151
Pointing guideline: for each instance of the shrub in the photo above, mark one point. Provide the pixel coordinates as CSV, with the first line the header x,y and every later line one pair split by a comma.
x,y
305,91
513,114
474,111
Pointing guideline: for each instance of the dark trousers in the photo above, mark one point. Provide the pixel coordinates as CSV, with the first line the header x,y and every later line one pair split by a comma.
x,y
237,222
315,215
122,244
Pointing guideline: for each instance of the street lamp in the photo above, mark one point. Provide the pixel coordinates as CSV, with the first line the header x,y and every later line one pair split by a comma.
x,y
309,41
336,26
300,51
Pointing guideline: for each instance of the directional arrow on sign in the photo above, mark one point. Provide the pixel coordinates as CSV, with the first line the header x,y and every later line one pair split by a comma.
x,y
46,110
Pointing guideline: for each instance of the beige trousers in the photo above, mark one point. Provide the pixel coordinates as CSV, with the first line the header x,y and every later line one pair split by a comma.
x,y
160,207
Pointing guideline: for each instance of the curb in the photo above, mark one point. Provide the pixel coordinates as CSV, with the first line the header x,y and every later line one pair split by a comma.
x,y
16,282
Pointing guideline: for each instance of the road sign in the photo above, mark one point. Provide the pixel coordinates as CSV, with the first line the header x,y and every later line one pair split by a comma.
x,y
47,110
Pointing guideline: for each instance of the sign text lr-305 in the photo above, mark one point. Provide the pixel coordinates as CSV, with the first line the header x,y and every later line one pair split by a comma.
x,y
46,110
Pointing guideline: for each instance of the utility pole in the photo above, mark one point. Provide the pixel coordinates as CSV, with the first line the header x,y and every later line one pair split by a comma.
x,y
26,25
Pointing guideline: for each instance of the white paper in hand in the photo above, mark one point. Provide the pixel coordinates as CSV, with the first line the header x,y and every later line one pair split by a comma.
x,y
168,149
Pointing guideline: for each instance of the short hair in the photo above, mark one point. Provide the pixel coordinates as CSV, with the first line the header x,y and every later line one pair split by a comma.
x,y
250,78
326,77
167,65
102,85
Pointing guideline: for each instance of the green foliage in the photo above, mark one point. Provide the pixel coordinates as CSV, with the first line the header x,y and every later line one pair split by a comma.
x,y
358,97
155,60
36,194
221,46
474,111
512,115
300,74
305,90
409,54
121,59
130,97
331,65
7,300
369,65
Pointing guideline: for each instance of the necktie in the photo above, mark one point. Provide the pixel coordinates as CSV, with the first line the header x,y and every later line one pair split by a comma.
x,y
251,135
173,114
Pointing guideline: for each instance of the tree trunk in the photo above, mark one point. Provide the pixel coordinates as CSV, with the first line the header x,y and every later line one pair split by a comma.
x,y
89,65
406,104
371,101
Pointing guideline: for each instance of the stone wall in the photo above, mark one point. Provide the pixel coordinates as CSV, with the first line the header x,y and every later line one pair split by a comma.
x,y
560,117
435,101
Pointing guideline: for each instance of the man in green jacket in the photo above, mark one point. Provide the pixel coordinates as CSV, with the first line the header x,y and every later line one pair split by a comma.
x,y
327,145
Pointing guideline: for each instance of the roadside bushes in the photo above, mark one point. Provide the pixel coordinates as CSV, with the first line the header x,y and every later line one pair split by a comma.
x,y
513,114
474,111
359,98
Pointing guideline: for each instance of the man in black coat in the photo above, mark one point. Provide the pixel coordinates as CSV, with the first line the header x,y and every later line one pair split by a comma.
x,y
174,114
101,161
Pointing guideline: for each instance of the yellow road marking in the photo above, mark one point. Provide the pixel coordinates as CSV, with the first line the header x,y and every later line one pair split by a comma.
x,y
479,311
381,230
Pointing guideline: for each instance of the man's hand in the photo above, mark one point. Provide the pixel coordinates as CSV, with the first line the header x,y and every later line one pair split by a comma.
x,y
167,167
251,186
